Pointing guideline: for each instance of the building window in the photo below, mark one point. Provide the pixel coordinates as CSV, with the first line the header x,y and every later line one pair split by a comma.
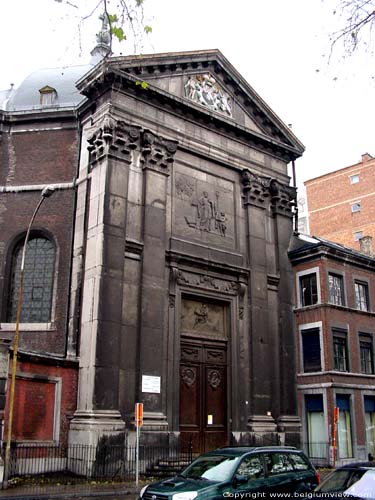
x,y
48,95
361,295
311,350
38,281
358,235
366,354
336,289
344,429
316,435
354,179
340,351
308,289
356,206
369,403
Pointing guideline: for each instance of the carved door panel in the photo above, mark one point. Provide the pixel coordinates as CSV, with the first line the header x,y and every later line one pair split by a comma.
x,y
203,394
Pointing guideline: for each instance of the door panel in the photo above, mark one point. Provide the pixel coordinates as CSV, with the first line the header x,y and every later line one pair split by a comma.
x,y
203,395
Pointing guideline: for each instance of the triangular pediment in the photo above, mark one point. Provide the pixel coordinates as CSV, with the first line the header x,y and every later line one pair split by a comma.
x,y
207,82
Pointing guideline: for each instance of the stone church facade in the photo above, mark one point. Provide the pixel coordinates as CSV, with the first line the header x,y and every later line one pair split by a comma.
x,y
179,292
185,224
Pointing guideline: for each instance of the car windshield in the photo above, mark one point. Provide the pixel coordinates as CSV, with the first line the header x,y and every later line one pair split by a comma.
x,y
212,468
339,480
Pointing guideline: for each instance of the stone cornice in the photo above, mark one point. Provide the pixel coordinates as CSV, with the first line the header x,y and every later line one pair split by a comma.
x,y
111,77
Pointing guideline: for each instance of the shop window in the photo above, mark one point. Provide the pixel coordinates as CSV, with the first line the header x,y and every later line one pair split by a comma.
x,y
316,435
369,403
38,281
336,289
344,429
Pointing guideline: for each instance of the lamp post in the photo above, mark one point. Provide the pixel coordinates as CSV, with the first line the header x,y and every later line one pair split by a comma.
x,y
46,193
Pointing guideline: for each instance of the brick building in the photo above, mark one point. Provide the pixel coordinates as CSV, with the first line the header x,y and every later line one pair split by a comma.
x,y
158,269
335,328
341,204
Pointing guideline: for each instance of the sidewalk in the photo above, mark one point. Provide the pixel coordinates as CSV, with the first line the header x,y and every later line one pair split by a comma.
x,y
109,491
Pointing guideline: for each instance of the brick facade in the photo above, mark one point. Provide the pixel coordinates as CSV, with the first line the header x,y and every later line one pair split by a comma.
x,y
330,198
322,259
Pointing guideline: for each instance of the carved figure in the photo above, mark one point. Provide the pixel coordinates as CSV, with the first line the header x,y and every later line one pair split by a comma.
x,y
205,211
204,90
201,315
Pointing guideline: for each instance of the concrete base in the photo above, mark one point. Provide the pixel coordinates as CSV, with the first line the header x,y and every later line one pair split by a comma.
x,y
89,433
89,427
289,427
261,424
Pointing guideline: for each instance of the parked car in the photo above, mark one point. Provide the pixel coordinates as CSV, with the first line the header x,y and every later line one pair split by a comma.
x,y
226,472
355,480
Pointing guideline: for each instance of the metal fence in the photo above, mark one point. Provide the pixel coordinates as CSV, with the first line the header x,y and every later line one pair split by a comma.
x,y
318,452
109,462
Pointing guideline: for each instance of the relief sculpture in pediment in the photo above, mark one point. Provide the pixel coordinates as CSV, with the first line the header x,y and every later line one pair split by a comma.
x,y
204,90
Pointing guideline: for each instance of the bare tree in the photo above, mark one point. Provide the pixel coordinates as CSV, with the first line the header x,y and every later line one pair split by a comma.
x,y
357,19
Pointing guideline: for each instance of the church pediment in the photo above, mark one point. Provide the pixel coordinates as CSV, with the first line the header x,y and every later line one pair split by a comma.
x,y
206,81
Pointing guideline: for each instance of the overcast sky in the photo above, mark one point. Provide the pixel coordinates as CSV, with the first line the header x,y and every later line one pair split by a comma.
x,y
279,46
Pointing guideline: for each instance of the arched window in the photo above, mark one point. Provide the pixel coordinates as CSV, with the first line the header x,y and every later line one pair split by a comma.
x,y
37,284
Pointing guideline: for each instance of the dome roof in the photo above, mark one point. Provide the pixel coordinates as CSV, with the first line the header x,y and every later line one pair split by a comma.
x,y
48,88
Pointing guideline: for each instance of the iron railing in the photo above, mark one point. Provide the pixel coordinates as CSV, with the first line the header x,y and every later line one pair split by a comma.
x,y
109,462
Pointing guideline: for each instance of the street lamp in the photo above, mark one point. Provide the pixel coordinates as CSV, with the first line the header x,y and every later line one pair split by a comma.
x,y
46,193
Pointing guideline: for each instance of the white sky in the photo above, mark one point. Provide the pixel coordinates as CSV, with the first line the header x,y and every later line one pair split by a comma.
x,y
277,45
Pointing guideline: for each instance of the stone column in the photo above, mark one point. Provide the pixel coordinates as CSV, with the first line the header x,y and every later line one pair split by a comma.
x,y
97,416
262,309
157,158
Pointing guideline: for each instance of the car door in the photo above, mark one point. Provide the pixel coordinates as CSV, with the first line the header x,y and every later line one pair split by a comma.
x,y
280,474
250,475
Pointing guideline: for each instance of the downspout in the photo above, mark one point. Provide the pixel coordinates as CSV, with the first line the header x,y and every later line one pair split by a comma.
x,y
72,234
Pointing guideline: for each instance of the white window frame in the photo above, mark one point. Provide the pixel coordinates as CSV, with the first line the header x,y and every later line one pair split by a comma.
x,y
353,177
309,326
356,235
300,274
356,204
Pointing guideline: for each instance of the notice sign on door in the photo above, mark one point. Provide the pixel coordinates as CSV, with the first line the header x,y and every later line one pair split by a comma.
x,y
151,384
210,419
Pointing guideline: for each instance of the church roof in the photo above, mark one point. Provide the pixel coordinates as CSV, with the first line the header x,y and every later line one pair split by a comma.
x,y
60,80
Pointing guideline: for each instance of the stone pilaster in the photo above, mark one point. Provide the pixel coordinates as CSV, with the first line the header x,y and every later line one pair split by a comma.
x,y
268,204
283,200
157,158
111,144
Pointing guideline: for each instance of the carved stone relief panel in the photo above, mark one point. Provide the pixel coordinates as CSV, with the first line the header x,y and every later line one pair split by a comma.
x,y
203,207
203,317
204,90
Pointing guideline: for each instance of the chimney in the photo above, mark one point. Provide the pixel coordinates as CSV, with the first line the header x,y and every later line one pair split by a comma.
x,y
366,157
366,246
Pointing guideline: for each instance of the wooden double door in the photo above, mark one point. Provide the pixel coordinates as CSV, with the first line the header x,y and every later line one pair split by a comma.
x,y
203,395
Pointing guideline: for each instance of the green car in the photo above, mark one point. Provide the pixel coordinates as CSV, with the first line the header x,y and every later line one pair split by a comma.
x,y
238,472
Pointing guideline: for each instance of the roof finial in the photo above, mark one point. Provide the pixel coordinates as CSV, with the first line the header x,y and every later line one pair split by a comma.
x,y
103,41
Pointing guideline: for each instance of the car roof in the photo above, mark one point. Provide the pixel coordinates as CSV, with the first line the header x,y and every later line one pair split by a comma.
x,y
358,465
237,451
